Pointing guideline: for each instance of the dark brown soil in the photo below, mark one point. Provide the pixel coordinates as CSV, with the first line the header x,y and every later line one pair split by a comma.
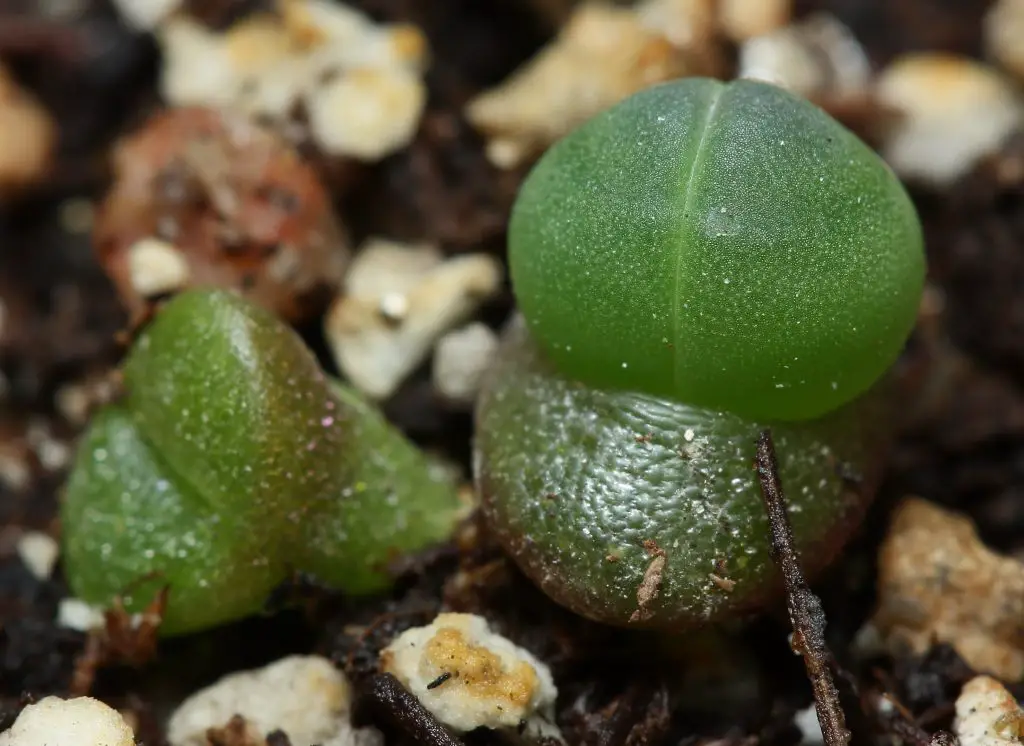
x,y
964,447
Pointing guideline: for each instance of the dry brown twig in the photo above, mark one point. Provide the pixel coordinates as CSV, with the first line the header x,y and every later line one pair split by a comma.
x,y
808,620
805,612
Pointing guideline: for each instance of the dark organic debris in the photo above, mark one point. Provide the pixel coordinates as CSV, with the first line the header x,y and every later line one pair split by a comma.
x,y
397,709
120,641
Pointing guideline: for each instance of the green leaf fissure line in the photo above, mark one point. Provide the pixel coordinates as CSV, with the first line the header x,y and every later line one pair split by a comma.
x,y
688,191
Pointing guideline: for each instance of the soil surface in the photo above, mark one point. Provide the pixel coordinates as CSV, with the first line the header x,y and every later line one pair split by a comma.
x,y
964,446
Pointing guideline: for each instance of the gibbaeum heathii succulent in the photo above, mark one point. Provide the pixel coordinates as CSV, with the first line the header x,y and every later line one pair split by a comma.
x,y
698,262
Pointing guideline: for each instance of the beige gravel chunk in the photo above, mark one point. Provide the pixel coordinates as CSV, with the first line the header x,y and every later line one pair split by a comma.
x,y
987,714
938,583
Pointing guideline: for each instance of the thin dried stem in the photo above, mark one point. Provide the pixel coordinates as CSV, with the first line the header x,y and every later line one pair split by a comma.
x,y
805,612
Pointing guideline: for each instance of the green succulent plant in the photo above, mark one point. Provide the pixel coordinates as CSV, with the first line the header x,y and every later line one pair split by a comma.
x,y
233,461
700,261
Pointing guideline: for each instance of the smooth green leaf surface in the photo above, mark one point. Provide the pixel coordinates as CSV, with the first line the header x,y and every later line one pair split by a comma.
x,y
728,245
232,462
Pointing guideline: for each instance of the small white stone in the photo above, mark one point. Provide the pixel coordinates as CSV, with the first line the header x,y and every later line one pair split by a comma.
x,y
810,727
361,82
954,111
38,552
382,266
53,454
15,472
987,714
461,359
394,306
367,113
145,15
1004,35
376,351
817,56
196,69
156,267
305,696
83,721
476,678
76,614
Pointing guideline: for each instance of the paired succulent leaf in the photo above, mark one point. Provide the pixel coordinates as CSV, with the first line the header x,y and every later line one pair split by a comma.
x,y
727,245
231,462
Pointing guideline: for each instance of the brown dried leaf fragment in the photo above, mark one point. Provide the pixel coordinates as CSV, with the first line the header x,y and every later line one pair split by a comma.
x,y
650,587
203,197
939,583
725,584
237,732
125,638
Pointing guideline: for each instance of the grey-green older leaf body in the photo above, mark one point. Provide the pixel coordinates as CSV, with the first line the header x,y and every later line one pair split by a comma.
x,y
230,463
576,479
727,245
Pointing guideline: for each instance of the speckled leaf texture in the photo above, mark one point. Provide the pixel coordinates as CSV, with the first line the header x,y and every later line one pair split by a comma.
x,y
230,463
726,244
574,480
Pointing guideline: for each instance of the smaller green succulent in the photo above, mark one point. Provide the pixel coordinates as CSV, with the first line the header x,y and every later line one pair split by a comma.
x,y
233,461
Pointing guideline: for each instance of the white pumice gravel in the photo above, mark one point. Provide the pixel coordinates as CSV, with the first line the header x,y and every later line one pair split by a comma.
x,y
303,695
157,267
953,112
82,721
361,83
987,714
460,360
818,56
76,614
470,677
398,301
38,552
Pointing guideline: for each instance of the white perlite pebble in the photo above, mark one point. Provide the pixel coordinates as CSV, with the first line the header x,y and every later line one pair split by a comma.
x,y
954,111
1004,35
810,727
304,696
367,113
491,682
145,15
398,301
38,552
461,359
817,56
76,614
361,83
68,722
987,714
156,267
